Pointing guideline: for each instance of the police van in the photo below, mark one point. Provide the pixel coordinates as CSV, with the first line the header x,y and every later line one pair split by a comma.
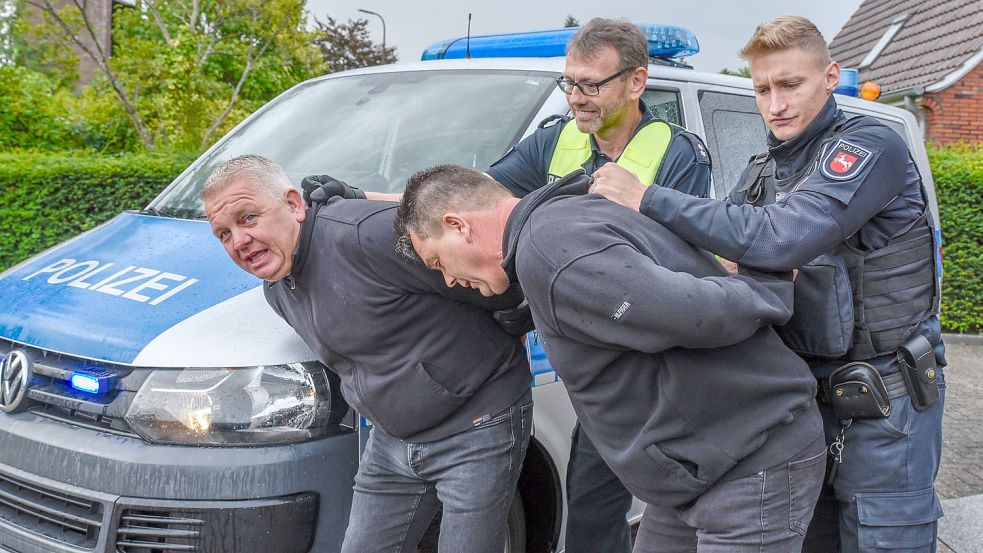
x,y
152,401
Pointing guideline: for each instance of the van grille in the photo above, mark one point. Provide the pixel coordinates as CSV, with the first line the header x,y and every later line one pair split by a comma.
x,y
54,514
155,532
92,421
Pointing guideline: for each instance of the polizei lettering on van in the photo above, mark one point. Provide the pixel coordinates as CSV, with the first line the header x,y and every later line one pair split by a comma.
x,y
131,282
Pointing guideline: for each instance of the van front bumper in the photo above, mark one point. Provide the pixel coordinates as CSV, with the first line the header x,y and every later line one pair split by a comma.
x,y
66,489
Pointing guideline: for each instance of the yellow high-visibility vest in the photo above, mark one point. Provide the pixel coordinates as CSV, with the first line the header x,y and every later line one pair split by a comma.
x,y
642,156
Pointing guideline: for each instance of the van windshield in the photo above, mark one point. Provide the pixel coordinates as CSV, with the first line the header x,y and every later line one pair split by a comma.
x,y
374,131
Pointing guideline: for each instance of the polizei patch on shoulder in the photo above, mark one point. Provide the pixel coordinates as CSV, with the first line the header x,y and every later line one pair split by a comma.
x,y
845,160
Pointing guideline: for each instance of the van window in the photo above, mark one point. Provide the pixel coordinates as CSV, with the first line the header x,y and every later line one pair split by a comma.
x,y
375,130
735,132
664,104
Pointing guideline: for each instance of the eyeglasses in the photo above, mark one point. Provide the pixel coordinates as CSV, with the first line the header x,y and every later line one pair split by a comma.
x,y
587,89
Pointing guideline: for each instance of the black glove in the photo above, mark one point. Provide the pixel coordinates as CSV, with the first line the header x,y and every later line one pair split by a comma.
x,y
320,188
515,320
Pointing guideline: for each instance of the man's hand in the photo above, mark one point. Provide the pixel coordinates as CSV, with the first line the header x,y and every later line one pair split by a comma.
x,y
321,188
618,185
729,265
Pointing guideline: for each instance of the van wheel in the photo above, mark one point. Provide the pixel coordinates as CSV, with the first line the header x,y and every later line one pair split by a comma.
x,y
515,527
515,530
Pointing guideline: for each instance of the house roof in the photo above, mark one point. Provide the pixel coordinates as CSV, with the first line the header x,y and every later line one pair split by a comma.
x,y
939,42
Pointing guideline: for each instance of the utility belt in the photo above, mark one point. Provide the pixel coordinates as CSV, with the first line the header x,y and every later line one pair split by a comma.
x,y
857,391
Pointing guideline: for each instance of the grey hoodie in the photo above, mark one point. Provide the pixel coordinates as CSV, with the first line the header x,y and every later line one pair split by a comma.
x,y
672,367
421,361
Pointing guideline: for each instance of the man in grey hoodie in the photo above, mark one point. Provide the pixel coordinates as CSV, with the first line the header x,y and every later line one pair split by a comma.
x,y
444,386
671,364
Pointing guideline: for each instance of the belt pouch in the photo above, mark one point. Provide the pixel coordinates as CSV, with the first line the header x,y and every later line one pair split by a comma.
x,y
917,360
857,391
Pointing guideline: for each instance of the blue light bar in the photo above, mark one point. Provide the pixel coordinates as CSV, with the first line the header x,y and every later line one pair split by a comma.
x,y
848,83
85,383
664,41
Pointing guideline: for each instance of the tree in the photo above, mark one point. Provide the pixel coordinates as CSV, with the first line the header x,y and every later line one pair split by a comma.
x,y
182,71
742,72
571,21
8,10
349,45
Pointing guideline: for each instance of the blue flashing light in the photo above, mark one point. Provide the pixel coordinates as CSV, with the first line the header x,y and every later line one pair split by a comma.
x,y
848,83
85,383
93,380
664,41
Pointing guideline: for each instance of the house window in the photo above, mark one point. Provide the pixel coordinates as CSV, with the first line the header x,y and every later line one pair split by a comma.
x,y
884,41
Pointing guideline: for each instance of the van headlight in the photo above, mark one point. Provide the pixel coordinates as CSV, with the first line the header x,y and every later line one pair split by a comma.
x,y
272,404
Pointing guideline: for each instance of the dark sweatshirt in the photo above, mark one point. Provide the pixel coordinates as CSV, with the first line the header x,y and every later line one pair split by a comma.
x,y
672,367
421,361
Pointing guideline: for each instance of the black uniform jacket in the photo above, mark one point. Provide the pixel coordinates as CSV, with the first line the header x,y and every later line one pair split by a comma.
x,y
672,367
878,194
418,359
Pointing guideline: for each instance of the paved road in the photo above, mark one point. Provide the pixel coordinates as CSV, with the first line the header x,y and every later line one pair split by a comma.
x,y
961,474
960,481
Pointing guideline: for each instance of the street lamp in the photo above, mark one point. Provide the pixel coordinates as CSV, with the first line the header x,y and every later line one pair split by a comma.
x,y
382,58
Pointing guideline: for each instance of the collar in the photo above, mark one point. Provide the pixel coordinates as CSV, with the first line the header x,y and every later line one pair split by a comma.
x,y
574,184
299,257
646,117
814,131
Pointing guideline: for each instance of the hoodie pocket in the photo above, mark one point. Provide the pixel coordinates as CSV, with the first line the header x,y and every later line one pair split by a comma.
x,y
678,482
426,398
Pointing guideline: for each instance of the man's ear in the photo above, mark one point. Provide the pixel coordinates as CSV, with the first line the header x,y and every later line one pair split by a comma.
x,y
637,79
454,222
832,77
295,203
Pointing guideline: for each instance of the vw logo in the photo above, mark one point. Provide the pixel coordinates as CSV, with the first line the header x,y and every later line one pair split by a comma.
x,y
15,375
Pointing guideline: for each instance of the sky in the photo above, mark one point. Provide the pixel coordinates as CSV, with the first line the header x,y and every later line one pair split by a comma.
x,y
721,26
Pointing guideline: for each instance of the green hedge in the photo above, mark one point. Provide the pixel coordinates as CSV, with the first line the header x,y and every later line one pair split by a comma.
x,y
958,173
48,198
45,199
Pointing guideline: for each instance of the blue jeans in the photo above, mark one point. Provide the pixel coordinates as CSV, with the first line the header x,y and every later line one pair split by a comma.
x,y
767,512
883,495
400,485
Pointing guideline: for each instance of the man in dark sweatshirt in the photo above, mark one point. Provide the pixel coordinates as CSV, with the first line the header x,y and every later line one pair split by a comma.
x,y
671,364
444,386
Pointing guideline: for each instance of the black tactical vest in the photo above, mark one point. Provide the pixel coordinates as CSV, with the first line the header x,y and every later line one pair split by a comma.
x,y
853,302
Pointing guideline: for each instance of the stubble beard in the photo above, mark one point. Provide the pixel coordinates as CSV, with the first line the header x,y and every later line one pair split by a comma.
x,y
592,127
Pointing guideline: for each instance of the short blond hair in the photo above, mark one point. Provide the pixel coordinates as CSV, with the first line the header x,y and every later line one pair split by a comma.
x,y
783,33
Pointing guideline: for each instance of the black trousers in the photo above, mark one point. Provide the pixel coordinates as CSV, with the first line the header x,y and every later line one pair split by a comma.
x,y
597,502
